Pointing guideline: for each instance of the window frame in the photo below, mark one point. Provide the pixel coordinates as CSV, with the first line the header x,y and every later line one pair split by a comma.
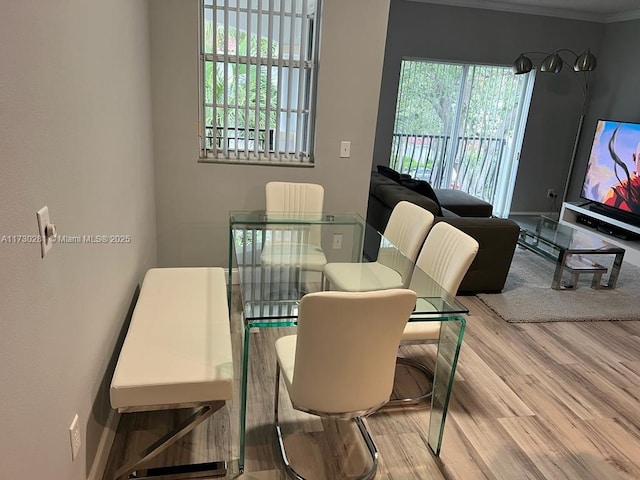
x,y
304,142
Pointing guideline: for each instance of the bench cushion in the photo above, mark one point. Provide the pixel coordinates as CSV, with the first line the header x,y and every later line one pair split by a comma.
x,y
178,347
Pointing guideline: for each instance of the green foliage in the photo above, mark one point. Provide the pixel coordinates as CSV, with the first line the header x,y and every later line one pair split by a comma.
x,y
245,84
462,114
430,93
427,97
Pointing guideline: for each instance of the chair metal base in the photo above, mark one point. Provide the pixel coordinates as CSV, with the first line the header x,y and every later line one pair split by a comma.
x,y
366,436
132,470
424,396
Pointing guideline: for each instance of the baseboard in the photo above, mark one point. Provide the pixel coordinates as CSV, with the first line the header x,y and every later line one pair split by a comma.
x,y
235,276
528,214
104,446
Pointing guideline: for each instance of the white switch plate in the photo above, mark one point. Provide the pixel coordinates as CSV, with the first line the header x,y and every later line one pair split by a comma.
x,y
43,220
337,241
74,436
345,149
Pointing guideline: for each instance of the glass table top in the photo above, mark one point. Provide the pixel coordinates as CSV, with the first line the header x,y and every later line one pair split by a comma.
x,y
285,218
273,291
548,236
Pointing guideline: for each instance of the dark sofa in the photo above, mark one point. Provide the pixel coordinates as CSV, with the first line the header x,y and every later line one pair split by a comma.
x,y
497,237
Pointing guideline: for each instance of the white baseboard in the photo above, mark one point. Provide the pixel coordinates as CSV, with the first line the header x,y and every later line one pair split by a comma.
x,y
104,446
527,214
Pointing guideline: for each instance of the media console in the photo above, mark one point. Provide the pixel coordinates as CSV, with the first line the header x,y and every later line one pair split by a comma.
x,y
610,229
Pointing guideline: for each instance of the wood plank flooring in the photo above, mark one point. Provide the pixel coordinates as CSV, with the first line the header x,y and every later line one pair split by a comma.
x,y
531,401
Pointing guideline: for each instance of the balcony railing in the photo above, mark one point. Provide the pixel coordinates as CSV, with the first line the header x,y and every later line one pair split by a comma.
x,y
239,138
473,165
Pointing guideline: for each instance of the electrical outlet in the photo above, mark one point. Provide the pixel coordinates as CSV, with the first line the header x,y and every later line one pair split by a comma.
x,y
551,193
74,436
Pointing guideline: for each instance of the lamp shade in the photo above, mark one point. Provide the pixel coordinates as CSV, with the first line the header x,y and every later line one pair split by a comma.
x,y
586,62
553,63
522,65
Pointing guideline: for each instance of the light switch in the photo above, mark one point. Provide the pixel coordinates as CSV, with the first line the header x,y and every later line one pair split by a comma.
x,y
345,149
46,230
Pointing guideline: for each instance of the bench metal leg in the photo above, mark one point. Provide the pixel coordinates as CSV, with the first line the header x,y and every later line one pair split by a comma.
x,y
131,469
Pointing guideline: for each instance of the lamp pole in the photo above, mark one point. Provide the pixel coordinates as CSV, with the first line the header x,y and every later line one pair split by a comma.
x,y
574,152
573,159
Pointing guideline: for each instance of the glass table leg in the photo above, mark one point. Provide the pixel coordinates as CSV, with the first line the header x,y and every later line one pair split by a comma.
x,y
243,396
451,333
231,250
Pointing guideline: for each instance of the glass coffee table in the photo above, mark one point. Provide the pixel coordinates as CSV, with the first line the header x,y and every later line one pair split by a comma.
x,y
573,250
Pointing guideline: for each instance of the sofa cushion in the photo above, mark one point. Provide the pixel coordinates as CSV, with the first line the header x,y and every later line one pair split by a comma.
x,y
424,188
390,195
389,173
463,204
392,174
448,213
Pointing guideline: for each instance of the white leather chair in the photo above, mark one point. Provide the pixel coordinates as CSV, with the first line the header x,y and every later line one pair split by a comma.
x,y
341,363
294,246
407,228
446,256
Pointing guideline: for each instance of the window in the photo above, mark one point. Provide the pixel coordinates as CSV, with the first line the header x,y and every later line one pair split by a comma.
x,y
461,126
258,79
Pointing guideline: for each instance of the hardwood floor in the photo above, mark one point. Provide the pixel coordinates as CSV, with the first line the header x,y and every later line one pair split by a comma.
x,y
531,401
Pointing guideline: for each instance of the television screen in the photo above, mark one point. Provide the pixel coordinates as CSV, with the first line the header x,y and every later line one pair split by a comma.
x,y
612,172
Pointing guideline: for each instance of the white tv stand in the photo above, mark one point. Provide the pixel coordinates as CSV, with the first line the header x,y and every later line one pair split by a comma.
x,y
570,213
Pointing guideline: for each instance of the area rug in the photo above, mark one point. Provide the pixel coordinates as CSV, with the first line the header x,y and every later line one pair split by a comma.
x,y
528,296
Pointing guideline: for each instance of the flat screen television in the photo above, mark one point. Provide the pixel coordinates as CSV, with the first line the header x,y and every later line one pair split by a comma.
x,y
612,180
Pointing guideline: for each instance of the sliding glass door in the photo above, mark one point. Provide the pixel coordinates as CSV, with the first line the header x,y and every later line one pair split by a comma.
x,y
461,126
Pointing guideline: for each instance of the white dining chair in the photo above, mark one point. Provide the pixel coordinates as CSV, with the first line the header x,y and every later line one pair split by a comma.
x,y
341,362
294,246
407,228
446,256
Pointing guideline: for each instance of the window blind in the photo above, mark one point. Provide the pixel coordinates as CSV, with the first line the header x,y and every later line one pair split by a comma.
x,y
259,62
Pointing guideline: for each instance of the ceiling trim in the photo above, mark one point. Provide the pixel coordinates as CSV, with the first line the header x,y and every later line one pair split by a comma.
x,y
535,10
623,17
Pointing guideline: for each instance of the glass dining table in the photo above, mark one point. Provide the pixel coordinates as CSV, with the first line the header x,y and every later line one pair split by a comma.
x,y
279,258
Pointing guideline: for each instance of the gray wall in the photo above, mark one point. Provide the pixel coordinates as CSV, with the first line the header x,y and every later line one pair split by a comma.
x,y
75,134
615,94
194,200
439,32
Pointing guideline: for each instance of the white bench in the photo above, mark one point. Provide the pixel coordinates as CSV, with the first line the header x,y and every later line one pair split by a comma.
x,y
176,354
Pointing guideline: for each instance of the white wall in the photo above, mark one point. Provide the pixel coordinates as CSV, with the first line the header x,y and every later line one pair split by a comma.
x,y
193,200
75,134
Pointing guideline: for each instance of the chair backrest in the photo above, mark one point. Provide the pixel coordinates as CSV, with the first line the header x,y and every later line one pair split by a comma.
x,y
286,197
294,197
346,349
407,228
446,255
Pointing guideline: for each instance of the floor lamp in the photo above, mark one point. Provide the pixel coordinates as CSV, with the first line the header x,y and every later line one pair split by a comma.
x,y
552,63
